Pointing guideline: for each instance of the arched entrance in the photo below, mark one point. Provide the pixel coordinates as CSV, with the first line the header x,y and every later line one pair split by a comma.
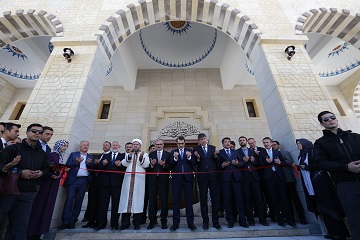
x,y
337,24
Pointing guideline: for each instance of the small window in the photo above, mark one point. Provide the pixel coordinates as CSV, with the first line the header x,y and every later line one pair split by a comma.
x,y
251,108
339,107
18,109
105,109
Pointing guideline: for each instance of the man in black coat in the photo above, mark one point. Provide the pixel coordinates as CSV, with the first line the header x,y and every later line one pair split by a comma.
x,y
208,178
31,162
157,183
274,178
182,163
110,186
231,179
251,184
338,152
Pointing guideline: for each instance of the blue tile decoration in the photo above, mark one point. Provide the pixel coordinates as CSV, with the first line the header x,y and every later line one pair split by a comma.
x,y
51,47
178,27
338,49
19,56
341,70
15,74
15,51
248,69
181,31
109,70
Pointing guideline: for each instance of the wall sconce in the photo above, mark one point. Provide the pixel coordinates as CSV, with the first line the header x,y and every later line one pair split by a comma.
x,y
67,54
290,51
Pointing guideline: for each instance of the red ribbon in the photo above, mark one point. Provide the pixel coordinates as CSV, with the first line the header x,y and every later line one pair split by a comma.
x,y
297,173
63,174
167,173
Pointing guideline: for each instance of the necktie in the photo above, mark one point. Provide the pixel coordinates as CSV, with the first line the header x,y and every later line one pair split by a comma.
x,y
204,148
245,151
271,156
181,154
228,152
5,145
113,158
159,155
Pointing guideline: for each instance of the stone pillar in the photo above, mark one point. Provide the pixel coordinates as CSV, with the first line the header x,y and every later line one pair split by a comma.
x,y
292,93
67,95
7,90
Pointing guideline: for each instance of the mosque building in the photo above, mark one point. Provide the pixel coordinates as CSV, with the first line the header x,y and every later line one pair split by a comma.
x,y
122,69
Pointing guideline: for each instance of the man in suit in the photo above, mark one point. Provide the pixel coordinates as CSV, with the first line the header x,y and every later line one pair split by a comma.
x,y
274,179
181,161
158,184
265,195
110,186
231,179
76,182
206,161
251,185
45,138
91,212
290,181
11,132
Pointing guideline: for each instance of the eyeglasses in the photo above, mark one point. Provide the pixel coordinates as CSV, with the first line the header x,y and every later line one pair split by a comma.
x,y
328,118
36,131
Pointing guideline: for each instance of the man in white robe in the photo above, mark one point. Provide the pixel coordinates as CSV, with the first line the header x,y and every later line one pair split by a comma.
x,y
133,188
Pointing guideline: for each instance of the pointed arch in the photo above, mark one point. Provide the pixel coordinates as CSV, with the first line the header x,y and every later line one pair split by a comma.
x,y
340,24
124,23
31,23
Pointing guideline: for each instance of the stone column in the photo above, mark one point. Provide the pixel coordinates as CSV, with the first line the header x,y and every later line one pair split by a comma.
x,y
67,95
292,93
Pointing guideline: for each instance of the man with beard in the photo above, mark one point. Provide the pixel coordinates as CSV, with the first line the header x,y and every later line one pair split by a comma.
x,y
251,184
133,187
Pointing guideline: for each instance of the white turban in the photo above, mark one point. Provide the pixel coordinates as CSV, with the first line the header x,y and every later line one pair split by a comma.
x,y
137,140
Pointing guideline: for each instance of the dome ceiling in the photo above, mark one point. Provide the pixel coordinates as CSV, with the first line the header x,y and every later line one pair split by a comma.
x,y
14,63
182,43
334,59
21,64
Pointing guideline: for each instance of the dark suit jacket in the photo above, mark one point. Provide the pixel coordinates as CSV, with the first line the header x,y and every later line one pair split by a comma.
x,y
245,168
206,163
74,167
268,172
151,178
176,166
110,179
48,150
226,173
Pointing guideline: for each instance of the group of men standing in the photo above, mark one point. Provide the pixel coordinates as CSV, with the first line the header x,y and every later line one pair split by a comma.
x,y
234,174
249,179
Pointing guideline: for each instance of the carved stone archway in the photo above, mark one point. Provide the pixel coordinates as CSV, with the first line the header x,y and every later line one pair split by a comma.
x,y
188,121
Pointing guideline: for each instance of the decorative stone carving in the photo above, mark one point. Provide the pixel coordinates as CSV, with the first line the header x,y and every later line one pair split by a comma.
x,y
179,129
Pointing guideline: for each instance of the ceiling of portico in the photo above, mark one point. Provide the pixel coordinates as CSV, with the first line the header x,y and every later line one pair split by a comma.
x,y
175,46
21,63
334,59
178,45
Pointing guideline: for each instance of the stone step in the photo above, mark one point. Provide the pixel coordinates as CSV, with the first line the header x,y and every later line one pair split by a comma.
x,y
183,232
